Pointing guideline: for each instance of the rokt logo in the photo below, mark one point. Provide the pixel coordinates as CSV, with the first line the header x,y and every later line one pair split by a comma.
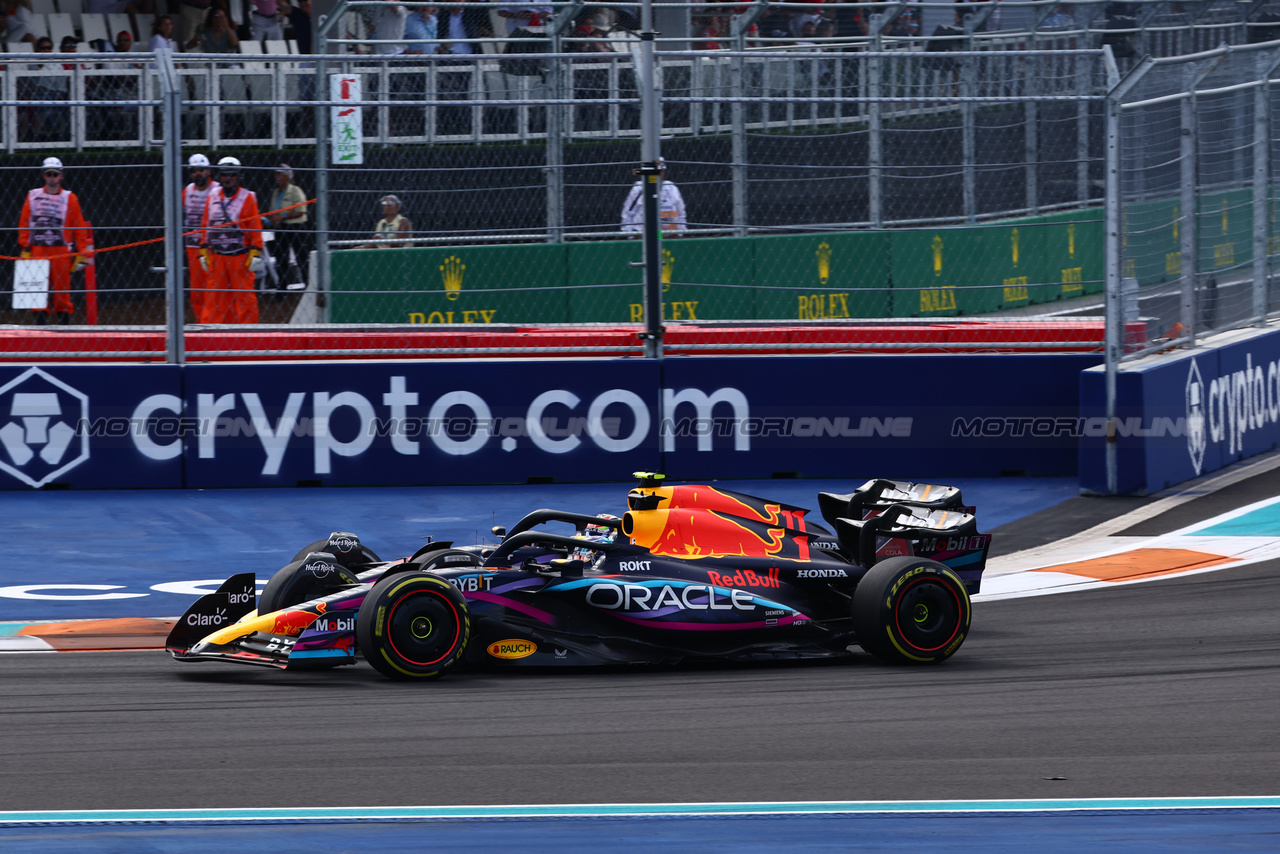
x,y
39,414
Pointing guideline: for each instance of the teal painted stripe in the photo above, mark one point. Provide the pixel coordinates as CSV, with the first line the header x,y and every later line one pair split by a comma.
x,y
608,810
1262,522
9,629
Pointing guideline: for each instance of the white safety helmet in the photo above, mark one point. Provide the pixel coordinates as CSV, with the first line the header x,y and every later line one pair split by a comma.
x,y
198,161
229,165
51,163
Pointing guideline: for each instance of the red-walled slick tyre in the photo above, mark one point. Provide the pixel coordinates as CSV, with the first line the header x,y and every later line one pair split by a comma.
x,y
413,626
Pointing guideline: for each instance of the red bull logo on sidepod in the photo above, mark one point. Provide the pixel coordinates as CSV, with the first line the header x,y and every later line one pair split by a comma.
x,y
696,533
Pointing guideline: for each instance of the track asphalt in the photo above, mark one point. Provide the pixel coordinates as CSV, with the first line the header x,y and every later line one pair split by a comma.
x,y
1131,690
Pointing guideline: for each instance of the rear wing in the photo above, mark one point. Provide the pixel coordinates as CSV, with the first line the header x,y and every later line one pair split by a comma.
x,y
876,496
947,536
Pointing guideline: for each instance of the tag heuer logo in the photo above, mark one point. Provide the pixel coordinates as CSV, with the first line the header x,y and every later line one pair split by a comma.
x,y
1197,440
38,418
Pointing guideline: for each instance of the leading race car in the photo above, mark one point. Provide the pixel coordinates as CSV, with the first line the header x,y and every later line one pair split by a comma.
x,y
688,573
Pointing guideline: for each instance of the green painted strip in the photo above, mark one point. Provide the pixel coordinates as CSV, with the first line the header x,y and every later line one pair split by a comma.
x,y
610,810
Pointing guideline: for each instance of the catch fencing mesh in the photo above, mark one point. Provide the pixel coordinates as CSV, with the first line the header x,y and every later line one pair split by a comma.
x,y
1198,169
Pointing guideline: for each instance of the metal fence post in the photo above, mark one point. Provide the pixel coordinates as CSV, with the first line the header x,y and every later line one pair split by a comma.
x,y
969,141
1111,308
1261,191
650,152
1188,227
556,128
737,114
175,307
323,273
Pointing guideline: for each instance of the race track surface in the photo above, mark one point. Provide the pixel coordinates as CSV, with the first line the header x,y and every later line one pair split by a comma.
x,y
1159,689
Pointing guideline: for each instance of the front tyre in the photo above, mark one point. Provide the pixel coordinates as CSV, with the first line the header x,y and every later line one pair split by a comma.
x,y
413,626
909,610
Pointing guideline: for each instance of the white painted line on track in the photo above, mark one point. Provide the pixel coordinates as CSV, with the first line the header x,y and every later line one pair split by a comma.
x,y
720,809
24,643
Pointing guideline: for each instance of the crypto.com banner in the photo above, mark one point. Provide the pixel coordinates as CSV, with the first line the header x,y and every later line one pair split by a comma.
x,y
438,422
1185,415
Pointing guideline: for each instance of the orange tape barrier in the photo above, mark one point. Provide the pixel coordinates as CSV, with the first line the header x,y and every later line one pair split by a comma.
x,y
96,251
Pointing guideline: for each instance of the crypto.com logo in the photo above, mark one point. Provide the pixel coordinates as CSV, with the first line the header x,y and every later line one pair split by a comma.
x,y
1197,436
38,418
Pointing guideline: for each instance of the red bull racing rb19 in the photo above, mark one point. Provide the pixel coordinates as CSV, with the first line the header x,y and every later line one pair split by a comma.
x,y
687,573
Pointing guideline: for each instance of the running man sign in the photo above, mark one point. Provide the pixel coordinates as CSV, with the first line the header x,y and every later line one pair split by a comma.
x,y
347,122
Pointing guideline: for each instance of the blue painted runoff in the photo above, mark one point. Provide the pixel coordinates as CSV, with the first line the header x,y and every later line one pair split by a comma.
x,y
1187,831
127,541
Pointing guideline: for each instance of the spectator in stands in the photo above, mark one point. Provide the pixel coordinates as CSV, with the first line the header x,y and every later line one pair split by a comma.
x,y
463,22
120,119
162,35
1061,17
217,35
123,43
708,31
906,24
266,21
300,20
387,24
812,15
850,22
44,123
393,224
519,16
420,24
671,211
289,221
192,18
51,226
17,21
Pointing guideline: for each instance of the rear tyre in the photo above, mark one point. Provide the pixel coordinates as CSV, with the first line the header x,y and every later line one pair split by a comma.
x,y
413,626
909,610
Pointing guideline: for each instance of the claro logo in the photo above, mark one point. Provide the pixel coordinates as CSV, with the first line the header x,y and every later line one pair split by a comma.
x,y
217,618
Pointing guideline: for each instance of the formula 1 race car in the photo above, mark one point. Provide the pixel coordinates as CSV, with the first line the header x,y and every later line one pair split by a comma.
x,y
688,573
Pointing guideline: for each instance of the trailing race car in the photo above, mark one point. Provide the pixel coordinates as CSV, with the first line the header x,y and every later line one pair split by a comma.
x,y
688,573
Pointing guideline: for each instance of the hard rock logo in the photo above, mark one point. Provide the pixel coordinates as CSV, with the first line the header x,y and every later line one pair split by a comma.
x,y
452,271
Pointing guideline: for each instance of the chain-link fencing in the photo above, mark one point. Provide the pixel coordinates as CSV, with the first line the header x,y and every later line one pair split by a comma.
x,y
818,185
1196,204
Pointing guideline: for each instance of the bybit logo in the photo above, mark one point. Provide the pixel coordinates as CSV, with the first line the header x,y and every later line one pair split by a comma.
x,y
452,271
824,261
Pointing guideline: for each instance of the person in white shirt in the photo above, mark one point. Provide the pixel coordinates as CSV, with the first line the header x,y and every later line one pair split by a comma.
x,y
162,35
387,21
672,215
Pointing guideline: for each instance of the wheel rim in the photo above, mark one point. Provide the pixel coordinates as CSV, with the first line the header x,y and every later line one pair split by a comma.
x,y
927,614
423,628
